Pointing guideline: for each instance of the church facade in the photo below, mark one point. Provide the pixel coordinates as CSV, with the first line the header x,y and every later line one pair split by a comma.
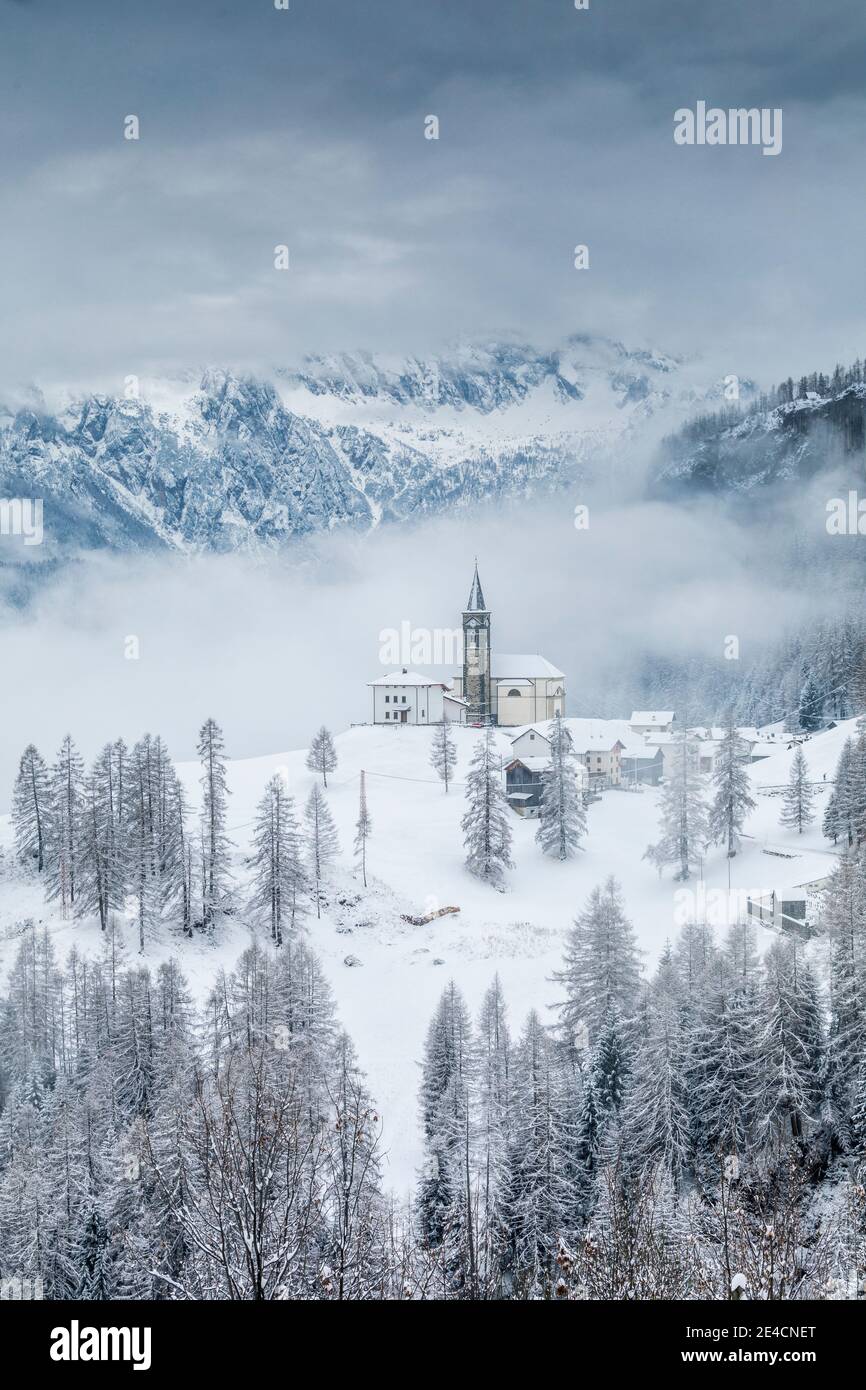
x,y
501,688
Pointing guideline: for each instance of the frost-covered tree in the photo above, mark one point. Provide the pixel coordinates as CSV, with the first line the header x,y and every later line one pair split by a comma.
x,y
322,845
562,817
684,829
494,1092
845,812
322,755
67,777
486,832
279,877
843,919
811,708
789,1047
215,844
732,799
30,808
104,867
601,967
363,828
537,1193
443,753
657,1126
444,1197
798,797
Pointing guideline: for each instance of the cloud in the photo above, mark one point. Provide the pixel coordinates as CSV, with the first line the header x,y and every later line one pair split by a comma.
x,y
306,127
272,649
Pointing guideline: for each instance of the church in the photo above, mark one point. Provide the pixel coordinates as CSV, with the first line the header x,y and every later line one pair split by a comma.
x,y
489,688
501,688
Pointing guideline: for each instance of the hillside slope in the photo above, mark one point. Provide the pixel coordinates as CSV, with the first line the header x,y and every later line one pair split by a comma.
x,y
415,864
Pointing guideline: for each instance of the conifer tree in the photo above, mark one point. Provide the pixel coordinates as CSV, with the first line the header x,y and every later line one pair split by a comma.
x,y
443,753
322,755
797,812
30,808
279,876
363,828
684,829
732,800
67,777
322,845
562,817
601,967
445,1199
215,844
486,832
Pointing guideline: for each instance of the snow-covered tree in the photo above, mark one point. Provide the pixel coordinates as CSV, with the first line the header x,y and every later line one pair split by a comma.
x,y
798,797
363,828
67,778
601,967
732,799
684,829
322,755
30,808
562,817
537,1193
843,920
444,1197
443,752
657,1119
486,832
789,1046
322,845
215,844
811,706
279,877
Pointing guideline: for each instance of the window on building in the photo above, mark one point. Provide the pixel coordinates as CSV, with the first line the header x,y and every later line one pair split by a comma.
x,y
387,714
387,699
513,693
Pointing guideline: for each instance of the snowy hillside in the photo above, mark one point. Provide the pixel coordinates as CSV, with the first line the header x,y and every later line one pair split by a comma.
x,y
415,862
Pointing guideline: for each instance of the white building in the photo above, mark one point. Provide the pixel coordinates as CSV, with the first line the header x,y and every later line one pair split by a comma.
x,y
598,743
652,721
404,697
503,689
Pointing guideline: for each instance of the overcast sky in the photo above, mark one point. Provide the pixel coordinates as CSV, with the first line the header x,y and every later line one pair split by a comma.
x,y
306,127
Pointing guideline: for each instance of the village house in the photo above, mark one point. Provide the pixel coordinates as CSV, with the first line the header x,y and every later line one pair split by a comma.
x,y
524,782
641,764
651,721
597,743
404,697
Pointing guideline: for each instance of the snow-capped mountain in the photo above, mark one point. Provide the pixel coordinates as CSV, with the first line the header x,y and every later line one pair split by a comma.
x,y
348,441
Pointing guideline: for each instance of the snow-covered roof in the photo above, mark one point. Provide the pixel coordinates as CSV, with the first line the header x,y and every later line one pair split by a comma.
x,y
651,716
514,681
643,752
533,764
599,734
540,731
408,678
455,699
506,667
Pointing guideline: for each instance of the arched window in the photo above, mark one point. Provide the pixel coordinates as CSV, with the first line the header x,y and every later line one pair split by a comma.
x,y
514,692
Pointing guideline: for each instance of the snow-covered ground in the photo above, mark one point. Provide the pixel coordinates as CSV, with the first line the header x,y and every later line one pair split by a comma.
x,y
415,864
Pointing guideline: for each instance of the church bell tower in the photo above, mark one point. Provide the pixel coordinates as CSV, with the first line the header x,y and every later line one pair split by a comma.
x,y
476,656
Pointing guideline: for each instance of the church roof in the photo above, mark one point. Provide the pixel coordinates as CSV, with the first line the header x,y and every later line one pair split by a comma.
x,y
503,667
476,602
408,678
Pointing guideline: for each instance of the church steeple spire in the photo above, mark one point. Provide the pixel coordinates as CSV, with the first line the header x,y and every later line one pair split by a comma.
x,y
476,602
476,656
